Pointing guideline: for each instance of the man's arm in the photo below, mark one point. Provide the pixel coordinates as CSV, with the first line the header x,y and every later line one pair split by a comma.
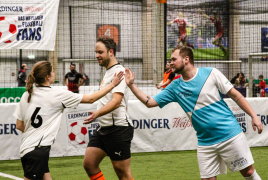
x,y
169,23
65,81
244,105
20,125
164,84
145,99
112,105
203,14
99,94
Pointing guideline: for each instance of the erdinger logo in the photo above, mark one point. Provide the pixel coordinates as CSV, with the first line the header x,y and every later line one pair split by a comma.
x,y
150,123
181,122
185,94
8,129
178,122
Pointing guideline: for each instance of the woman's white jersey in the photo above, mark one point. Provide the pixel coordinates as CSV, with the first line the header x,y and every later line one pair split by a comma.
x,y
42,116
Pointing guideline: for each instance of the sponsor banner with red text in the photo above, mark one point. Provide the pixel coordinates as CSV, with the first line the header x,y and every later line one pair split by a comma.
x,y
156,129
28,24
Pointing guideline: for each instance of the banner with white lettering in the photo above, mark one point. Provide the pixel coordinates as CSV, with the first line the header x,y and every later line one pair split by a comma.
x,y
167,129
28,24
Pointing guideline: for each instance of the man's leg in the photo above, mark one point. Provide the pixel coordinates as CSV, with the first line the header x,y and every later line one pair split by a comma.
x,y
217,42
122,169
249,173
237,156
210,163
47,176
92,159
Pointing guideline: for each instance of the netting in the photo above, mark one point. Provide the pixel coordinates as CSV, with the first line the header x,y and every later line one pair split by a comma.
x,y
222,33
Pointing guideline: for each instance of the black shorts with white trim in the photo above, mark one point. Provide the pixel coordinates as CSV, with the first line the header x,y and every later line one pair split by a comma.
x,y
114,140
35,163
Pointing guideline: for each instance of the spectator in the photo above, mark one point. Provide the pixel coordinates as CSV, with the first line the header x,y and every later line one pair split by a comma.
x,y
234,78
168,76
255,89
73,79
241,80
22,75
261,86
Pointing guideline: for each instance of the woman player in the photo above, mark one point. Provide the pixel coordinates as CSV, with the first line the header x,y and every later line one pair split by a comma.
x,y
39,116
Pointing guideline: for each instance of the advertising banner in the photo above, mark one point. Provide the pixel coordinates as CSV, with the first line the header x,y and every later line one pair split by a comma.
x,y
11,95
167,129
200,25
28,24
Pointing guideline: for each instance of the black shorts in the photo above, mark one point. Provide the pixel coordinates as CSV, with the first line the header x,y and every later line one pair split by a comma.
x,y
114,140
35,163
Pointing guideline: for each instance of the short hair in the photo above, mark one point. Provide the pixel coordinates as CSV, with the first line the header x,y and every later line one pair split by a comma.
x,y
108,42
185,51
214,12
22,66
72,65
261,76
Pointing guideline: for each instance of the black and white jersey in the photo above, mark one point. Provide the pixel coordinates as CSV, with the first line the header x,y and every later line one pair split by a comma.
x,y
119,116
42,116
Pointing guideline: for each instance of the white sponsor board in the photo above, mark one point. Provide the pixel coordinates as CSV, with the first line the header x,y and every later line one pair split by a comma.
x,y
156,129
28,24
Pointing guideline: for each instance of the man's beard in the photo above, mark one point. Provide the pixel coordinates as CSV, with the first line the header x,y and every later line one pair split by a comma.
x,y
105,61
179,70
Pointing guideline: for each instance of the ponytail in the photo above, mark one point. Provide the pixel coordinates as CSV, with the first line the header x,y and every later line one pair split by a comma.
x,y
29,86
38,76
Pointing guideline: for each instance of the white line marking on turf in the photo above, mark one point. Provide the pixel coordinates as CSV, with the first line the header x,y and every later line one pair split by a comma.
x,y
10,176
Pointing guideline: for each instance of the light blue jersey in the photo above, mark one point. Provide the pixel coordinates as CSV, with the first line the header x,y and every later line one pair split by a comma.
x,y
201,99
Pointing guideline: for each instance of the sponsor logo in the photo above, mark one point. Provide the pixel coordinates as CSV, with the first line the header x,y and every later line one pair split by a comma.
x,y
34,9
177,122
181,122
150,123
8,129
239,162
78,115
118,153
77,132
11,9
185,94
228,82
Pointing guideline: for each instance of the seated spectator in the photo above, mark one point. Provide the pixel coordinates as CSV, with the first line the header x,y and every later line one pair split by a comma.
x,y
168,77
241,80
255,89
234,78
262,85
